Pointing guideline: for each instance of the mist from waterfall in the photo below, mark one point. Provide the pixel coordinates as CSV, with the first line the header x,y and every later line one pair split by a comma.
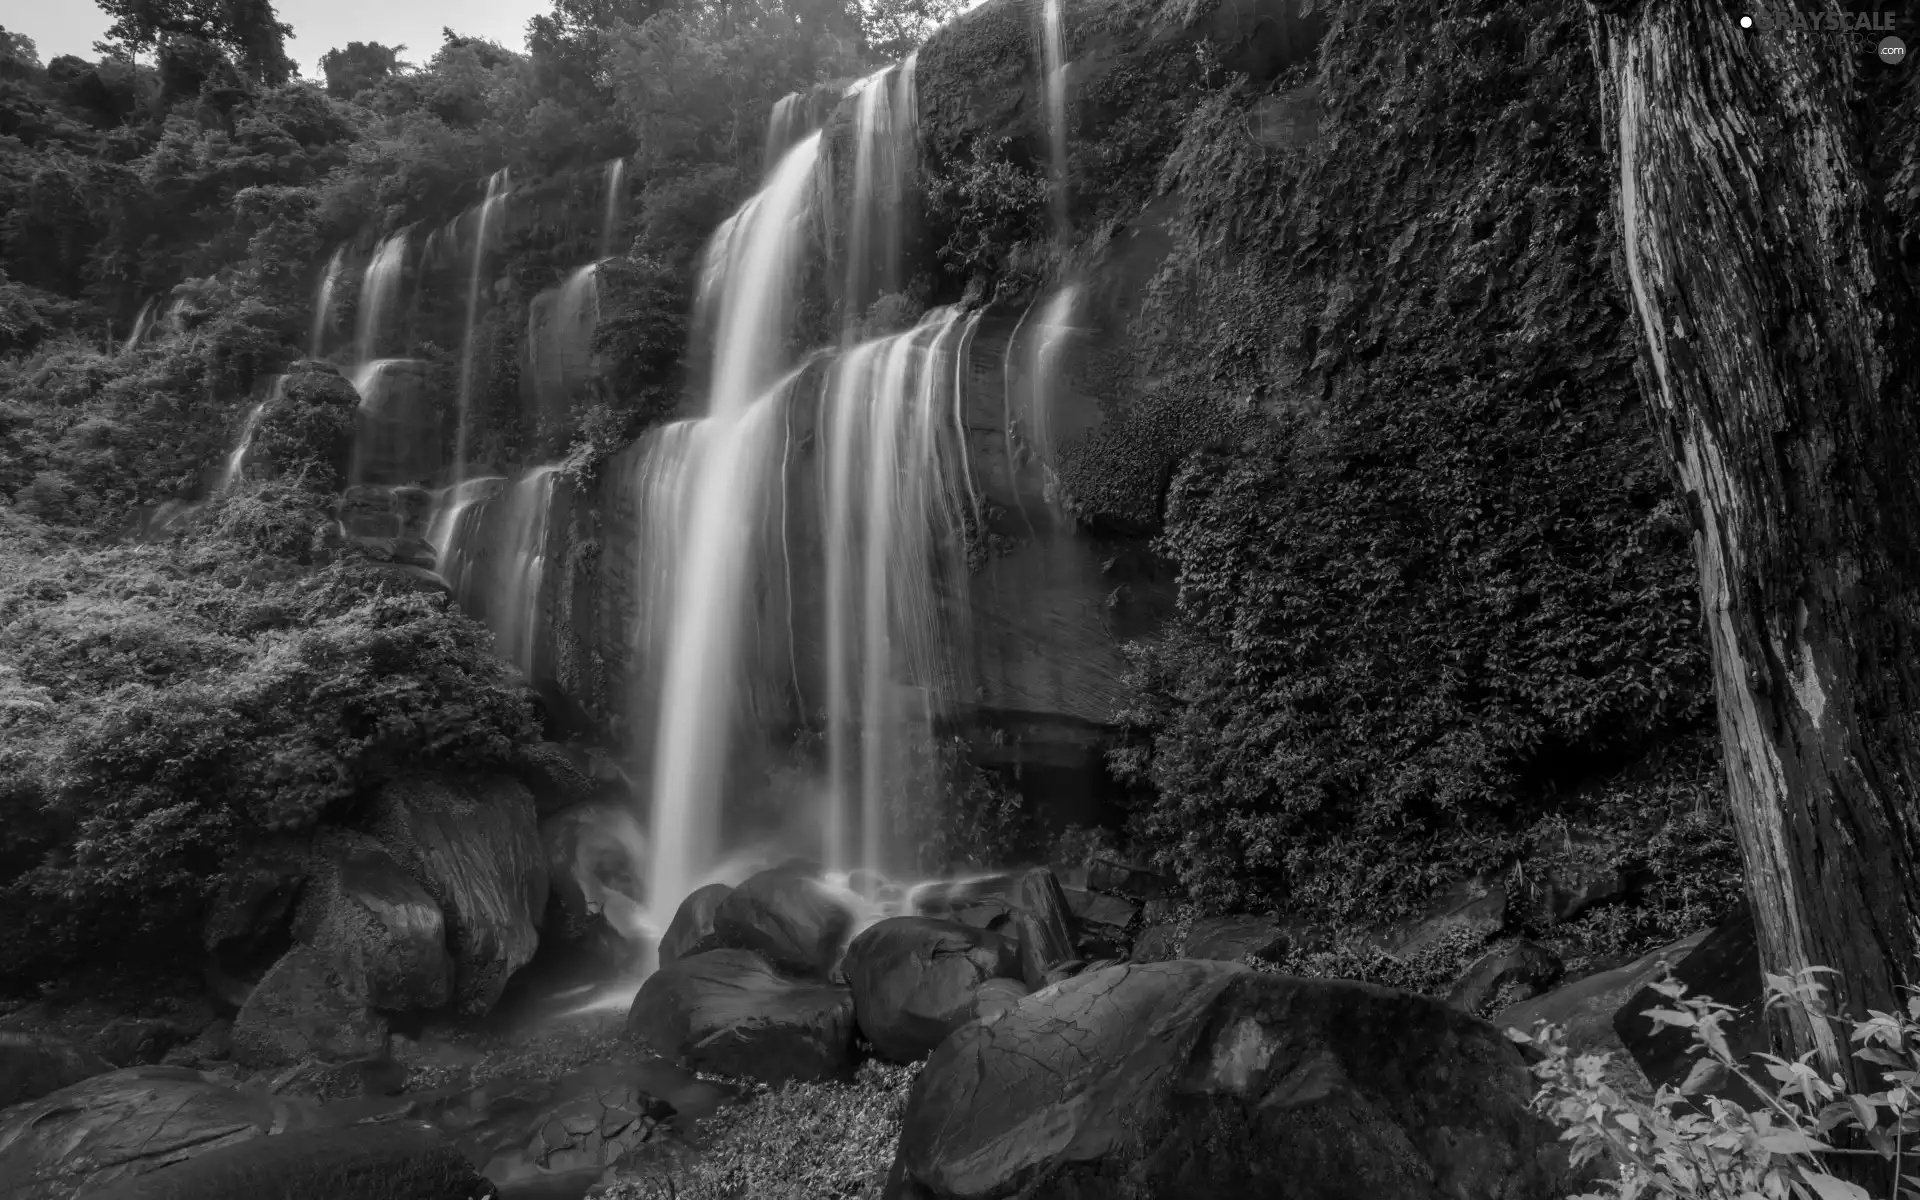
x,y
378,289
486,219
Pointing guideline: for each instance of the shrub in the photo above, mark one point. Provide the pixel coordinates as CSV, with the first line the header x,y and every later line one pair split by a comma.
x,y
805,1141
1684,1145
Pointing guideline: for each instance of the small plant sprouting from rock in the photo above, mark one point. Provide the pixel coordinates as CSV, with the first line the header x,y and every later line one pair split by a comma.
x,y
1686,1145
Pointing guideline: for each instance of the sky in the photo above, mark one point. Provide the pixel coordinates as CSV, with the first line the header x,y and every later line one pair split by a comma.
x,y
72,26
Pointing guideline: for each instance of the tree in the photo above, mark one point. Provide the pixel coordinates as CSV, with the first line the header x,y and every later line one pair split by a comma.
x,y
1778,362
893,29
360,66
249,30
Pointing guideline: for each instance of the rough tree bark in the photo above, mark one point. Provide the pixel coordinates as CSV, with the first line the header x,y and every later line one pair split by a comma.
x,y
1777,359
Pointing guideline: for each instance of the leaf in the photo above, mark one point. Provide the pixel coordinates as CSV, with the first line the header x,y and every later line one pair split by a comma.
x,y
1792,1141
1707,1074
1829,1188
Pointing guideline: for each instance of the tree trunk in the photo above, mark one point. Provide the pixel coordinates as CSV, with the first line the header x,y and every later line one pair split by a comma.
x,y
1777,359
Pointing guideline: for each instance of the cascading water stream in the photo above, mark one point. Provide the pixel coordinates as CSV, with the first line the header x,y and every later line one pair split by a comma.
x,y
483,235
377,291
560,326
616,185
242,445
493,554
1054,61
884,139
752,267
323,301
782,127
142,324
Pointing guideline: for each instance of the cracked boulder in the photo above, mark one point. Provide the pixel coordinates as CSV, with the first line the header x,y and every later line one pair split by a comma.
x,y
474,845
304,1007
729,1012
33,1064
915,980
125,1124
404,1161
1188,1078
787,916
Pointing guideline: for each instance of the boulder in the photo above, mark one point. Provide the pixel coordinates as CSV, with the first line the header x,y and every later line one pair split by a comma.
x,y
138,1041
1469,911
788,917
556,775
1520,972
127,1123
579,1135
729,1012
381,930
915,979
1189,1078
595,859
691,930
1230,939
1111,914
305,429
1584,1009
996,996
303,1008
1156,943
33,1064
398,1161
247,921
1724,965
1125,879
474,845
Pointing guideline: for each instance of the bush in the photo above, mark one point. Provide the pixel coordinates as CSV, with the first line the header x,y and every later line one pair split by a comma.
x,y
1683,1145
806,1141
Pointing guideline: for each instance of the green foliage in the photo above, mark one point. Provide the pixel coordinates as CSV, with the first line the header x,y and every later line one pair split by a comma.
x,y
359,67
163,703
248,29
800,1142
1685,1145
990,204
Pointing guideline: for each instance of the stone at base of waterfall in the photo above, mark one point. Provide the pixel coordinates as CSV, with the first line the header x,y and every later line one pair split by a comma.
x,y
1517,973
788,917
916,979
473,843
691,930
1030,906
302,1008
731,1013
1230,939
1726,966
381,930
400,1161
1188,1078
596,895
127,1123
33,1064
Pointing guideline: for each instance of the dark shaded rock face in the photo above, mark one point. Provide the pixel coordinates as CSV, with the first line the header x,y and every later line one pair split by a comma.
x,y
691,930
729,1012
303,1006
787,917
1187,1079
247,923
128,1123
307,429
380,929
1726,966
1030,907
32,1064
408,1161
1522,972
915,980
1231,939
474,845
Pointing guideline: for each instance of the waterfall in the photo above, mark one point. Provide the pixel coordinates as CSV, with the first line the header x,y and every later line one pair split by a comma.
x,y
483,235
377,291
397,429
884,139
782,128
1053,44
323,301
1052,331
242,445
560,325
493,555
892,516
142,324
616,202
749,279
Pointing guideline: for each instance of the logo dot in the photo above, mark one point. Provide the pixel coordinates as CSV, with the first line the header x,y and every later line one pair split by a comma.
x,y
1893,51
1746,22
